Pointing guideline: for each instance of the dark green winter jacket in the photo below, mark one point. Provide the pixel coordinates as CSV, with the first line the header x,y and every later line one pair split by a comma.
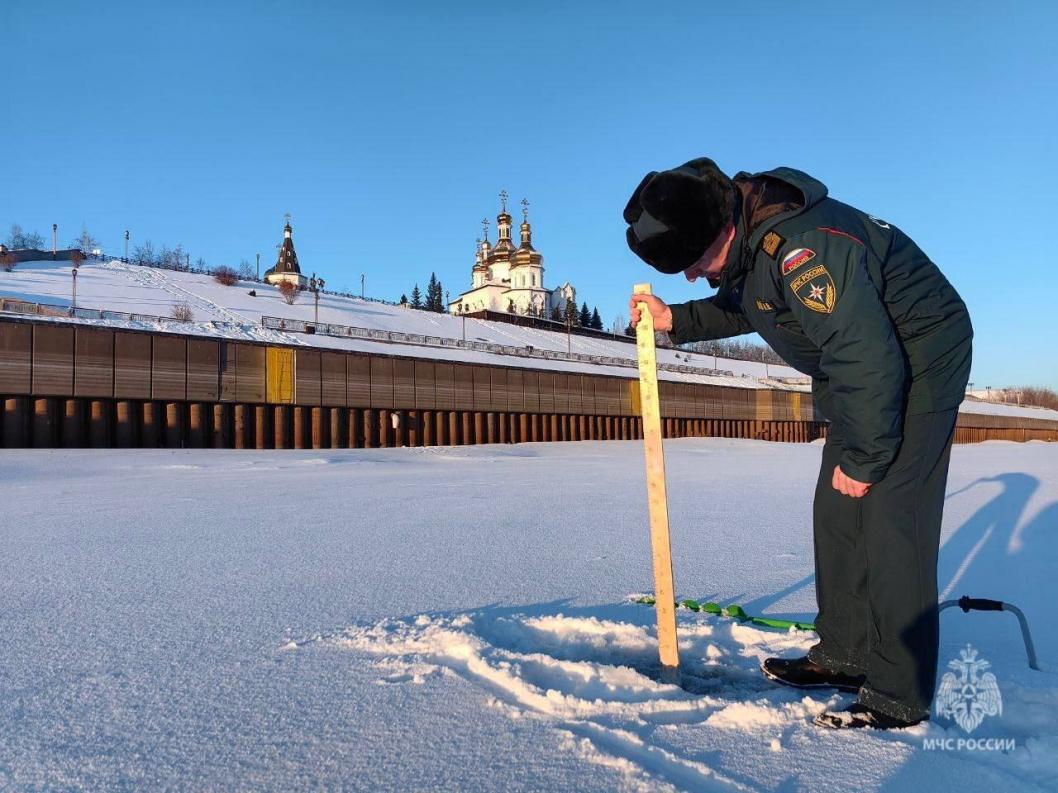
x,y
846,298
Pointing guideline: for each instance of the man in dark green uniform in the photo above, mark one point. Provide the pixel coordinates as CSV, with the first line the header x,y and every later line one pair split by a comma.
x,y
850,300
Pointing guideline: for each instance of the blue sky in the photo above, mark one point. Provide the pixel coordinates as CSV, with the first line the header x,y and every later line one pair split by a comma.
x,y
388,130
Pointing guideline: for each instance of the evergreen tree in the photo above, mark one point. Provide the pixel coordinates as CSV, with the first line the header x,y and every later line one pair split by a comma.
x,y
404,300
556,314
435,295
585,316
630,330
596,320
571,312
416,297
431,293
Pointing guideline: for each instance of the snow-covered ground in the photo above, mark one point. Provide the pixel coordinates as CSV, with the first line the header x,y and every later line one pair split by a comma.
x,y
459,619
1000,409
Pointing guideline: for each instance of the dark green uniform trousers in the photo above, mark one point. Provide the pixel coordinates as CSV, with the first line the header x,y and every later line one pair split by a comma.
x,y
876,569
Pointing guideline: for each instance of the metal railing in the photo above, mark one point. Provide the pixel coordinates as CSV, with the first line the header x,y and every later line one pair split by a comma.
x,y
399,337
12,306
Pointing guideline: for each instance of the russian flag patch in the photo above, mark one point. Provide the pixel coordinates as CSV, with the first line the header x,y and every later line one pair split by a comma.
x,y
795,259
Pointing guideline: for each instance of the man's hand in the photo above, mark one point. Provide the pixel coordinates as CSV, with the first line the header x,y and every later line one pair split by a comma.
x,y
657,307
847,485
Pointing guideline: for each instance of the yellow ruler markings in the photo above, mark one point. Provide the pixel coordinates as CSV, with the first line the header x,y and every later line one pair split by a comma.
x,y
657,496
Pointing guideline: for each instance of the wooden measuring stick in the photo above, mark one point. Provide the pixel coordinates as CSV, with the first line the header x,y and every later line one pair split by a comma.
x,y
657,497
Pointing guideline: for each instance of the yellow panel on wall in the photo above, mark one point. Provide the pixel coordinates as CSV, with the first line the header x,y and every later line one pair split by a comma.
x,y
637,403
280,369
762,400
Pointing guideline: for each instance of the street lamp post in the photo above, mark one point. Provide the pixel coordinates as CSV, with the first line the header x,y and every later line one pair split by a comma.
x,y
126,246
361,286
54,241
73,302
258,267
316,284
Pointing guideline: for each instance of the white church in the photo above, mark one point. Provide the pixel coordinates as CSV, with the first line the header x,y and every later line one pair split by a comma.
x,y
509,279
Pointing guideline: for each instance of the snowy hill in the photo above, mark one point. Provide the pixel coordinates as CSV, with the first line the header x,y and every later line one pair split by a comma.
x,y
231,312
115,286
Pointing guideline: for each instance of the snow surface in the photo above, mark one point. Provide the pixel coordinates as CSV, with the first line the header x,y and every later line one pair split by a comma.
x,y
460,618
999,409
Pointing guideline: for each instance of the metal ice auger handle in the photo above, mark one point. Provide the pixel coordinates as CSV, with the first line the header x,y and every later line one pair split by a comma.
x,y
968,604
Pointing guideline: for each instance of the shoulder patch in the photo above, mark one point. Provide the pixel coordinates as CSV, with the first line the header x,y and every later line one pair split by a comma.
x,y
796,258
815,289
771,243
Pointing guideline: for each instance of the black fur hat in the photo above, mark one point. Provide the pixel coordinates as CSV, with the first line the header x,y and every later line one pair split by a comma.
x,y
673,216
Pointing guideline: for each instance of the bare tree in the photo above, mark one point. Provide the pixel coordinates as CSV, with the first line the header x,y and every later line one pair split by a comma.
x,y
246,270
288,291
20,240
167,257
182,312
144,254
226,276
8,261
180,258
76,257
1039,397
735,349
85,242
16,238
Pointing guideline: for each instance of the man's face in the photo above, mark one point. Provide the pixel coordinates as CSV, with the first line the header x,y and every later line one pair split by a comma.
x,y
712,262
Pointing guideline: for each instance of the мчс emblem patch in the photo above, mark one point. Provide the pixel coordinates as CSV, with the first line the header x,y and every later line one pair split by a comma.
x,y
795,259
815,289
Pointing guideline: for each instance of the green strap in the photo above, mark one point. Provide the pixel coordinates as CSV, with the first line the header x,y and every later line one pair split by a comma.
x,y
734,611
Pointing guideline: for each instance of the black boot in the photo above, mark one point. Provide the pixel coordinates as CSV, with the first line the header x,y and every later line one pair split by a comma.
x,y
856,716
803,673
